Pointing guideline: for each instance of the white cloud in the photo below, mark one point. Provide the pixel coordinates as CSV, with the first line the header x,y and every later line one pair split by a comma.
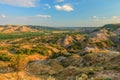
x,y
64,7
3,16
98,21
47,5
115,17
60,0
58,7
43,16
20,3
106,18
94,17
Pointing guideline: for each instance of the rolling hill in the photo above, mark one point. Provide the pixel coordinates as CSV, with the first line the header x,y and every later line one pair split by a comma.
x,y
13,29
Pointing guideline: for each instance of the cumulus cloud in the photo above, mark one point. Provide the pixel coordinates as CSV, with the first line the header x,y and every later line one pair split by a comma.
x,y
94,17
20,3
115,17
64,7
47,5
43,16
3,16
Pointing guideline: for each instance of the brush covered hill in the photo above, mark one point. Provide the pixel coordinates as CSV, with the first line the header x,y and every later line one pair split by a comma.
x,y
13,29
112,27
68,56
113,33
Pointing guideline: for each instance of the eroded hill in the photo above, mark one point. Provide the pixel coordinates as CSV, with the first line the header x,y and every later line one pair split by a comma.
x,y
61,55
13,29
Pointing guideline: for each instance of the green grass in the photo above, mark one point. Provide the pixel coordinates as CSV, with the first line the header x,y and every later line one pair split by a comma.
x,y
5,36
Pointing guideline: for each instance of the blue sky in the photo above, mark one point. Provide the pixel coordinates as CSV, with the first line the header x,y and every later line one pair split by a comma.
x,y
58,13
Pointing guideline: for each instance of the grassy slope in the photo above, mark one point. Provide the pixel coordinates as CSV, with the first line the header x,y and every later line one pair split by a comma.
x,y
5,36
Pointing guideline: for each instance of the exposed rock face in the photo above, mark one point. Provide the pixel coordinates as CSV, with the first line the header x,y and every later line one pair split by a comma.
x,y
38,67
114,75
114,33
99,41
71,61
67,41
101,35
68,73
96,58
116,60
91,49
4,68
44,67
61,58
116,38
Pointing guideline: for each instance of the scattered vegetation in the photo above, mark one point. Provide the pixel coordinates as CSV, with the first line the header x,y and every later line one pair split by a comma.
x,y
5,57
61,54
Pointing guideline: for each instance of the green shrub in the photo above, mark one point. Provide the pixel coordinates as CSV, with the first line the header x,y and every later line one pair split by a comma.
x,y
18,62
24,51
5,57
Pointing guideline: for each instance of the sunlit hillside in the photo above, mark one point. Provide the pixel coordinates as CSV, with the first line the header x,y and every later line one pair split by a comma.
x,y
36,54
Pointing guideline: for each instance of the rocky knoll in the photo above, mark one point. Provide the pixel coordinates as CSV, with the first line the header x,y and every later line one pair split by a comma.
x,y
92,66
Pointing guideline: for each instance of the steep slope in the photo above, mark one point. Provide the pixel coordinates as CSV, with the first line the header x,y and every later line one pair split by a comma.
x,y
106,37
115,28
111,27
